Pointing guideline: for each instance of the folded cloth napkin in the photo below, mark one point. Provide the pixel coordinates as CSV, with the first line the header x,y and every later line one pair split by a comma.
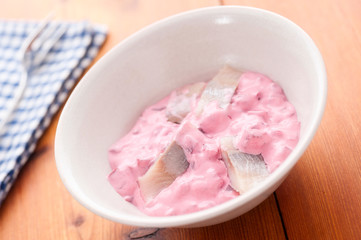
x,y
49,81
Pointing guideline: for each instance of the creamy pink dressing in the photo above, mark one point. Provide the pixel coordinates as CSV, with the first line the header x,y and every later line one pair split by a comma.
x,y
259,117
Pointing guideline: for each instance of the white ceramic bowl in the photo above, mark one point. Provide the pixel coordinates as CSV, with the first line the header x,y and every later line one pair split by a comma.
x,y
173,52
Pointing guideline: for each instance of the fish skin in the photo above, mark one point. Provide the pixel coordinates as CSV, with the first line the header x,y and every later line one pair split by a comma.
x,y
178,108
180,104
220,89
244,170
169,165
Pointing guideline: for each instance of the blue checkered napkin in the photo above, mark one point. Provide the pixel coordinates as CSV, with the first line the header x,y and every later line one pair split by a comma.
x,y
54,68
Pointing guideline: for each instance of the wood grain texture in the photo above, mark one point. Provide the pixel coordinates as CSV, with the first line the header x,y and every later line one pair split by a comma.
x,y
321,198
39,207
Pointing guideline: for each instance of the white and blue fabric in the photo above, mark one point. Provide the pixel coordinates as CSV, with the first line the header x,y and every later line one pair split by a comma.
x,y
48,84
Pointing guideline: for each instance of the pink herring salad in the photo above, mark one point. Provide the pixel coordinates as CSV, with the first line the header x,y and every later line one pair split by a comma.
x,y
204,144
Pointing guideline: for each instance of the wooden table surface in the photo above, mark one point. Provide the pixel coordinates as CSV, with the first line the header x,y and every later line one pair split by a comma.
x,y
320,199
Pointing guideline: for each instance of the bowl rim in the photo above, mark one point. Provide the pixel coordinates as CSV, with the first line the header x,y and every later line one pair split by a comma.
x,y
221,209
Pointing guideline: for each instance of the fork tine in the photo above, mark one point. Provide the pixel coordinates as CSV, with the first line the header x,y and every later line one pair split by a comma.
x,y
49,43
33,35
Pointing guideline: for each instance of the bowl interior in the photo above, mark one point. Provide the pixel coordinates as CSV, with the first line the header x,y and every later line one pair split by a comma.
x,y
145,67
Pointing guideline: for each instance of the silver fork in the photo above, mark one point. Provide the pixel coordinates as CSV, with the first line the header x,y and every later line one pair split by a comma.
x,y
52,36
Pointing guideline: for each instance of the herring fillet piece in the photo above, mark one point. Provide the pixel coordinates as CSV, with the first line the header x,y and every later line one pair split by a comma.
x,y
220,89
169,165
195,89
179,106
244,170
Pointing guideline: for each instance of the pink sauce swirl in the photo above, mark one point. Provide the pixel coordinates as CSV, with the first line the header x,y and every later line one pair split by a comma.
x,y
259,116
